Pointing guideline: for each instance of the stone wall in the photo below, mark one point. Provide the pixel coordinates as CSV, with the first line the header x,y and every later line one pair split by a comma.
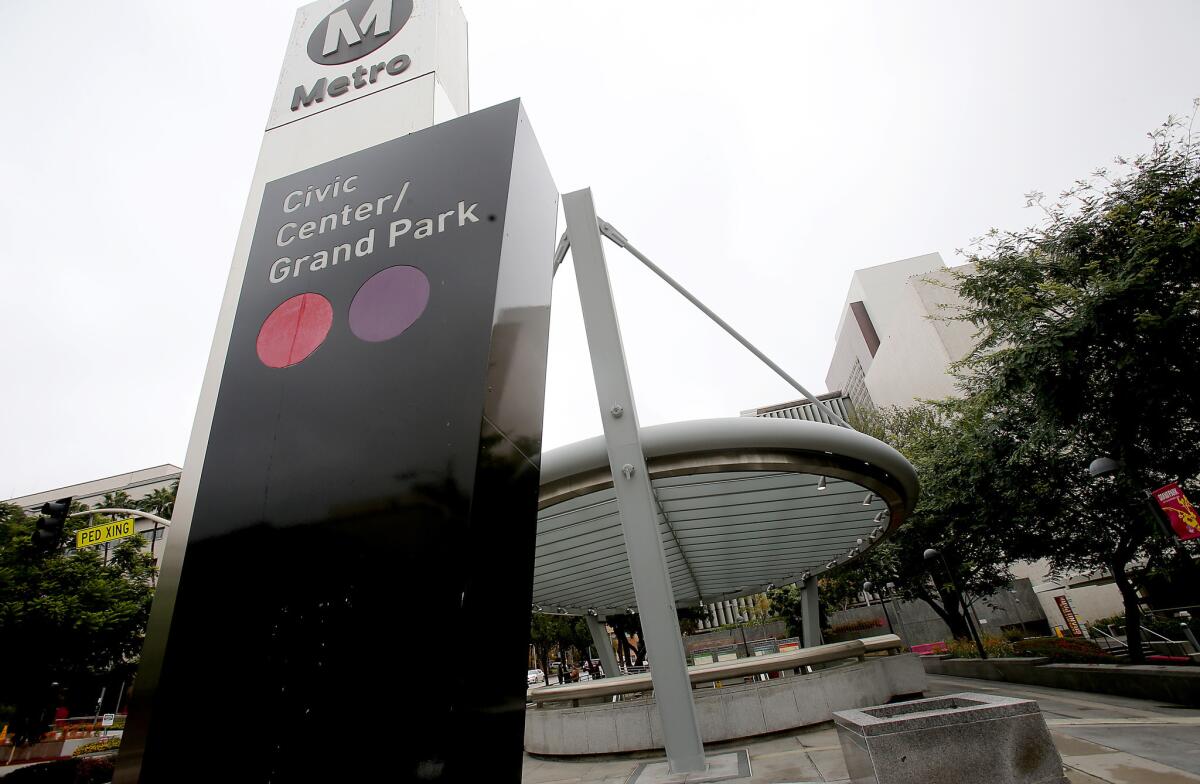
x,y
917,623
1179,685
727,713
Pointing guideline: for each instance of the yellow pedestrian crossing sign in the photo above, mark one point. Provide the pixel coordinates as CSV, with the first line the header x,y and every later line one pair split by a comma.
x,y
99,534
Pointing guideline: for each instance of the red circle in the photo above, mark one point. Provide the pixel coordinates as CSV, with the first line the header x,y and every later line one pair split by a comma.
x,y
294,330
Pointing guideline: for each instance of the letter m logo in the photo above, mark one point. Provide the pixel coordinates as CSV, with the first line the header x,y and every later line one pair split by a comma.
x,y
356,29
342,28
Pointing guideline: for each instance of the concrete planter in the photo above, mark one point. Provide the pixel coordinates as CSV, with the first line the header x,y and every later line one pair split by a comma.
x,y
977,738
1165,683
996,669
727,713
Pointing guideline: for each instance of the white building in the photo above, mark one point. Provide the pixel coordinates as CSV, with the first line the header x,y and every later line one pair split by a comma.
x,y
137,484
894,346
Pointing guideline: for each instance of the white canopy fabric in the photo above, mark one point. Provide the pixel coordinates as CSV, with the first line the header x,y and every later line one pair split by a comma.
x,y
742,503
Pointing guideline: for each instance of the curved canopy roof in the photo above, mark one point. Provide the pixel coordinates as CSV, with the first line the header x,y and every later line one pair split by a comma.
x,y
742,502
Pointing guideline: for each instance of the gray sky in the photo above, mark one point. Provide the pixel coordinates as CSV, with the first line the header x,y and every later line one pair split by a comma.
x,y
759,155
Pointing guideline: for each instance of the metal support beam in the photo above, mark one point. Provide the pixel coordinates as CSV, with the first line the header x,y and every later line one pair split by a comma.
x,y
134,512
619,239
810,614
635,500
603,643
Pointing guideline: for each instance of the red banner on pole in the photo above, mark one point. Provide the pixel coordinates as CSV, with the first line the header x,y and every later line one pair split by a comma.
x,y
1179,511
1068,614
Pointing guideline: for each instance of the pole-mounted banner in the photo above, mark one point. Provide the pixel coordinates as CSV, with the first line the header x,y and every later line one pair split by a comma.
x,y
1178,510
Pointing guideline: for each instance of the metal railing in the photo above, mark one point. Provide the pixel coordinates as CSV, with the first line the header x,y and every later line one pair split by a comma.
x,y
1156,634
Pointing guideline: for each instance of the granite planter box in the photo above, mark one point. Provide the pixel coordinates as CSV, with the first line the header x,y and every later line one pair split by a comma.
x,y
1166,683
977,738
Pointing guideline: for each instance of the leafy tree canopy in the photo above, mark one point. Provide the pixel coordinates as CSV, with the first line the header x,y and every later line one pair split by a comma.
x,y
964,511
1088,325
67,618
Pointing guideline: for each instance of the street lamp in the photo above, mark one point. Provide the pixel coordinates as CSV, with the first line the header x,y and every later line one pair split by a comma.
x,y
1103,466
869,587
932,554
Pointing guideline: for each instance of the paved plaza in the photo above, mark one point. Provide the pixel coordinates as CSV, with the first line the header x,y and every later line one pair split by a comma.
x,y
1102,739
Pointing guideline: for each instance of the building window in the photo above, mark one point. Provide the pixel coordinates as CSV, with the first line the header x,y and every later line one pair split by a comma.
x,y
856,388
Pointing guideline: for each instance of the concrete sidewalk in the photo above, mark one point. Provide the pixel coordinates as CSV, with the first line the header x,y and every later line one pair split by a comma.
x,y
1102,739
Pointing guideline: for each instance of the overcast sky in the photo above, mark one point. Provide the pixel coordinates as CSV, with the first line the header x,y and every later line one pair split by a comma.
x,y
760,152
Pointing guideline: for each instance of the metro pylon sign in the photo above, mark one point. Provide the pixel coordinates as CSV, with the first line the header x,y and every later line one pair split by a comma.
x,y
363,472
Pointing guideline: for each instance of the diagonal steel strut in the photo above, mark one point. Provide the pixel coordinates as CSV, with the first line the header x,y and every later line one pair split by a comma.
x,y
610,231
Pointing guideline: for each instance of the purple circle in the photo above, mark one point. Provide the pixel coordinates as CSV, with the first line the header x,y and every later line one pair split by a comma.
x,y
388,303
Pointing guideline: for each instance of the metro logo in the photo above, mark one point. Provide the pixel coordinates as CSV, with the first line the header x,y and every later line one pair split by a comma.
x,y
356,29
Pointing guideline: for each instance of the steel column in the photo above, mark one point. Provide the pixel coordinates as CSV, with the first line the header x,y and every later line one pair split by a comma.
x,y
810,614
604,648
635,499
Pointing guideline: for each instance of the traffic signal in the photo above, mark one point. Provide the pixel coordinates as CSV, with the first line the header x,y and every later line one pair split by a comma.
x,y
48,534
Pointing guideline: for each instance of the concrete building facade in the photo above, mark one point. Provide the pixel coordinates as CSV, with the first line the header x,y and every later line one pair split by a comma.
x,y
895,344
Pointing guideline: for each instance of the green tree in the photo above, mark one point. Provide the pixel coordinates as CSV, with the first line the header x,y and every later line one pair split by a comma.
x,y
1088,326
785,603
118,499
626,626
66,618
965,510
554,637
161,501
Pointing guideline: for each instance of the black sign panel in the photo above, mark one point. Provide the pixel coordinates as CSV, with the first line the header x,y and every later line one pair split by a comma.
x,y
369,489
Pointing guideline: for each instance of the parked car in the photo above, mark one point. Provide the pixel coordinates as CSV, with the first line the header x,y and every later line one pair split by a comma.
x,y
535,676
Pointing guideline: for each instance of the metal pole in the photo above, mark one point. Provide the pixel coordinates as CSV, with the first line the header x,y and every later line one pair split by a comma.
x,y
134,512
99,703
604,649
883,603
611,232
810,614
899,617
120,694
1187,632
635,499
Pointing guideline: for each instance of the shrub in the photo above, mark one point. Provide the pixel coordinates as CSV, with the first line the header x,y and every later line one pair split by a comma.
x,y
996,647
858,625
1116,621
1064,650
85,770
105,744
1171,628
95,770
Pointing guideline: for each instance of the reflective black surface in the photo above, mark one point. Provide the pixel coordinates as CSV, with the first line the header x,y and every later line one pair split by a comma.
x,y
354,600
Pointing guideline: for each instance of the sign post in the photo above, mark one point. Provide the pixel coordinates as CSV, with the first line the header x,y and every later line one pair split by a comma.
x,y
363,471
